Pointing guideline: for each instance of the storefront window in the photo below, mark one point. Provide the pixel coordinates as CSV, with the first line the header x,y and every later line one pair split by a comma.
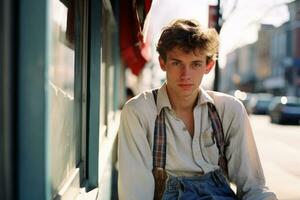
x,y
64,134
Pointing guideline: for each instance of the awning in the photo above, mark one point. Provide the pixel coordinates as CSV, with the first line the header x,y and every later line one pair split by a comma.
x,y
131,38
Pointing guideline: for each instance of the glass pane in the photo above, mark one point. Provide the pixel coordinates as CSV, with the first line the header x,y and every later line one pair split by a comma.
x,y
62,119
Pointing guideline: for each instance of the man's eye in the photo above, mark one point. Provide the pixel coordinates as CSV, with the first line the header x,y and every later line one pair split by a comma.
x,y
196,65
176,63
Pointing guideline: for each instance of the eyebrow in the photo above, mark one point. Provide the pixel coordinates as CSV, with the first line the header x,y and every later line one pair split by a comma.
x,y
198,61
174,59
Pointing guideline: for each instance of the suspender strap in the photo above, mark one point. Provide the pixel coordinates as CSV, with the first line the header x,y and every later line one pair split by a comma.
x,y
159,152
159,143
154,92
219,136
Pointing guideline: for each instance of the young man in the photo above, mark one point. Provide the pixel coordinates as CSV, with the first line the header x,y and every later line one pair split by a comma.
x,y
182,142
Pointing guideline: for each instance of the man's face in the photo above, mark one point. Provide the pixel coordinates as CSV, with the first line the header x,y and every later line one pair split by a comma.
x,y
184,71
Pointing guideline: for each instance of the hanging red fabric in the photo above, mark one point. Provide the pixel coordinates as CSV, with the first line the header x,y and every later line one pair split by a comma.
x,y
147,5
131,37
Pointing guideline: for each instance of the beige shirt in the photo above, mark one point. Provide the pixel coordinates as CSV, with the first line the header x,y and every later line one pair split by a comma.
x,y
187,156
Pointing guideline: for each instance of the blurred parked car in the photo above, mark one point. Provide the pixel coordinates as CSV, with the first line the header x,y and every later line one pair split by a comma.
x,y
285,110
259,103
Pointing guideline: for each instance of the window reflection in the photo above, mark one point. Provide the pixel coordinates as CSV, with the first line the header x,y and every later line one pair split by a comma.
x,y
61,71
63,121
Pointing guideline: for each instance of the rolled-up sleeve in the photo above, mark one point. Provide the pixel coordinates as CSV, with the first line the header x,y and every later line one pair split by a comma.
x,y
135,179
244,166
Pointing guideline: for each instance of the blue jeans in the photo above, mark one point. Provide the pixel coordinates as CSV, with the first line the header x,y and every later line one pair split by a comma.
x,y
211,186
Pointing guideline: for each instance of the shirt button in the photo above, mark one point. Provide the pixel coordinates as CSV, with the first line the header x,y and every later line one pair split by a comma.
x,y
184,129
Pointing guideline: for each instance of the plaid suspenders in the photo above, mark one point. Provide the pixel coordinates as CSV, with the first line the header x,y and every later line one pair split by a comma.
x,y
159,152
159,146
219,136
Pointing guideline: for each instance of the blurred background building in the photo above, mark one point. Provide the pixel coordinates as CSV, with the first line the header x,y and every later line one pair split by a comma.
x,y
271,64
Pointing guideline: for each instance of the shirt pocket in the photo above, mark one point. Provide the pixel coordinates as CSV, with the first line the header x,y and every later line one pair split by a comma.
x,y
209,147
208,138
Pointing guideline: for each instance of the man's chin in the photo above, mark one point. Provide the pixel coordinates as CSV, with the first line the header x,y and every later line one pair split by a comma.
x,y
187,93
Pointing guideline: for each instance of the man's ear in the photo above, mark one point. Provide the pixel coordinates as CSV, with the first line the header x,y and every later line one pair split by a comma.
x,y
162,63
209,66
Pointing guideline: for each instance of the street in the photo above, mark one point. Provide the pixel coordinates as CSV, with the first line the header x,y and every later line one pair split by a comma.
x,y
279,149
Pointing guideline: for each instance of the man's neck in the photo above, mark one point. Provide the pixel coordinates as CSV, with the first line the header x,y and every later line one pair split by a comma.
x,y
182,103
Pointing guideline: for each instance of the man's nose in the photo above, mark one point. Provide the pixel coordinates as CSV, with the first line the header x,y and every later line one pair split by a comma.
x,y
185,71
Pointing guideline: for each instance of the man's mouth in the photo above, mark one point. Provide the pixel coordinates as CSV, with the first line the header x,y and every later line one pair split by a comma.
x,y
185,85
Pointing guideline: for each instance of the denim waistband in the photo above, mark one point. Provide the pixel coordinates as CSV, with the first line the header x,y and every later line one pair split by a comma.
x,y
212,186
217,177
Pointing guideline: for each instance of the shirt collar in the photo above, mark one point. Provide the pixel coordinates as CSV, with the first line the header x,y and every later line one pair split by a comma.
x,y
163,99
204,97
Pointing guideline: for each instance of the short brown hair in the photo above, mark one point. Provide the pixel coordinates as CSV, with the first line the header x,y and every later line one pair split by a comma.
x,y
188,35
